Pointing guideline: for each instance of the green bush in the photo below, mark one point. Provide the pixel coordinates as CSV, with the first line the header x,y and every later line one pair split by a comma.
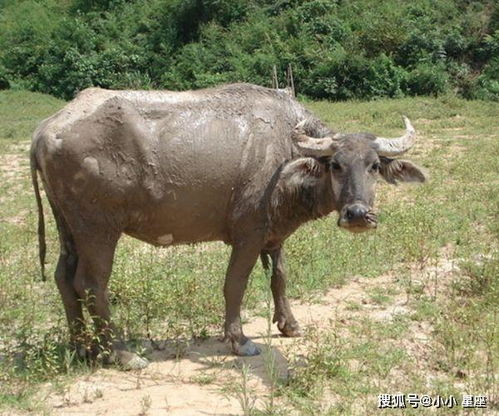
x,y
487,85
428,79
338,50
346,77
4,81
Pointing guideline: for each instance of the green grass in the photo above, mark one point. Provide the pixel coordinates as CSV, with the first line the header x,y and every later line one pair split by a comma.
x,y
176,293
21,111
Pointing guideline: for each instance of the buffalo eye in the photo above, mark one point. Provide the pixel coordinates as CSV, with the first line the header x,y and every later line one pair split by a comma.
x,y
336,166
375,167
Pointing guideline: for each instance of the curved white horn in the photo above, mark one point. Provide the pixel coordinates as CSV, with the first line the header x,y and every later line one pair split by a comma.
x,y
399,145
310,146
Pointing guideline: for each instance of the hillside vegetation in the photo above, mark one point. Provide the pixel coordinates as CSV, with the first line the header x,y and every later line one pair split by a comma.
x,y
339,49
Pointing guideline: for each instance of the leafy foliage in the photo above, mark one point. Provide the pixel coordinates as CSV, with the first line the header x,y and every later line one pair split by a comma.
x,y
339,50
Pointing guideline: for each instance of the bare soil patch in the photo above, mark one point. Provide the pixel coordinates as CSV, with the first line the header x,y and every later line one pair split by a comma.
x,y
15,161
189,379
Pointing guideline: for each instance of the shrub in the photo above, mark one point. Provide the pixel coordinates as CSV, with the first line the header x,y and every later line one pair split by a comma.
x,y
339,50
487,84
428,79
4,82
346,77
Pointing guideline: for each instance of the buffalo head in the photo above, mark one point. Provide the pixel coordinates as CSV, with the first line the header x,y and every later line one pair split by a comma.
x,y
354,162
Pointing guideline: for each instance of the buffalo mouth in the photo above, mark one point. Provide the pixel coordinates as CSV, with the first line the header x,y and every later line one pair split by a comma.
x,y
357,219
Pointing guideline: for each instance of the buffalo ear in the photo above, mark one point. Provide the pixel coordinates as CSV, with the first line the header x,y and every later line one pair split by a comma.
x,y
397,170
299,174
306,166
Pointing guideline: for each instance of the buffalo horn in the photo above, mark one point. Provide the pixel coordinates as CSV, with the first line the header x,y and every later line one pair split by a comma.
x,y
311,146
399,145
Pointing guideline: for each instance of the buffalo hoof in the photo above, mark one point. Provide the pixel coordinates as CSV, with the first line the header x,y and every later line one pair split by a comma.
x,y
289,329
130,361
248,349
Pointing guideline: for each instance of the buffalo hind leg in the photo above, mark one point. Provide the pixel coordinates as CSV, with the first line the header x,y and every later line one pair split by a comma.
x,y
286,322
95,260
242,260
64,277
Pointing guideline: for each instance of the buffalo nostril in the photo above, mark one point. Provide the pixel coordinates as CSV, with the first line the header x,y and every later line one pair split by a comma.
x,y
356,212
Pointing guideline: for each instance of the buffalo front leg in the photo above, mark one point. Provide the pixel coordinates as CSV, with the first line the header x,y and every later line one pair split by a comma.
x,y
95,260
242,260
286,322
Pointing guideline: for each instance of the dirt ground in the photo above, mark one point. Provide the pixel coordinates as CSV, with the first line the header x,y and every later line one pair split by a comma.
x,y
194,379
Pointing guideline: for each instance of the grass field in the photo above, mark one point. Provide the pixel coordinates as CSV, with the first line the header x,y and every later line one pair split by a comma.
x,y
436,249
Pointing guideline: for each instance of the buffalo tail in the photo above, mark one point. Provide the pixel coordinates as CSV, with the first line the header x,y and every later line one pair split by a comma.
x,y
265,258
42,246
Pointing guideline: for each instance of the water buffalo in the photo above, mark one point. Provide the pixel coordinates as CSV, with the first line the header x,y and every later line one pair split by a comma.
x,y
240,163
